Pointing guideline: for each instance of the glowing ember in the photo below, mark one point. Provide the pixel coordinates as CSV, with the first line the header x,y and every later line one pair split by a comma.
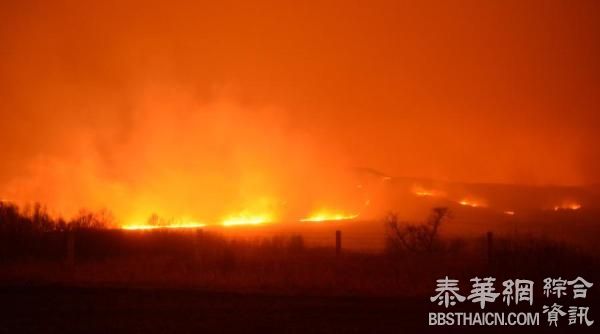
x,y
510,213
247,219
568,206
168,226
328,216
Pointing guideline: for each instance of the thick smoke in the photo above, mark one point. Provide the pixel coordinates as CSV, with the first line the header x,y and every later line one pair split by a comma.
x,y
207,109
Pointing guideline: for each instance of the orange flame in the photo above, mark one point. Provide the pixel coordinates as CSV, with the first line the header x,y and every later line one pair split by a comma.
x,y
325,215
422,192
247,219
567,205
182,225
472,203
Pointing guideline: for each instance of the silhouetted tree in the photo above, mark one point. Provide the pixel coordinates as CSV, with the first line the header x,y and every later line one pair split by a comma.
x,y
410,238
92,220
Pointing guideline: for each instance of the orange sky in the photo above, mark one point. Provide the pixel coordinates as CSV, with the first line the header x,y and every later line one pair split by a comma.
x,y
112,102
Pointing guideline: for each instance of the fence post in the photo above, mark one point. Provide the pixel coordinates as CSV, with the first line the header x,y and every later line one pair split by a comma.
x,y
70,248
338,242
490,247
197,237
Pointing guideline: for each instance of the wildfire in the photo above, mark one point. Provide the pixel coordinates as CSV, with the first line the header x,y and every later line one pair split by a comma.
x,y
247,219
472,203
568,206
182,225
422,192
328,216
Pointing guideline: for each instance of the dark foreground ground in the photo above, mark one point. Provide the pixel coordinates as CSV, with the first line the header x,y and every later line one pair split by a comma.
x,y
54,309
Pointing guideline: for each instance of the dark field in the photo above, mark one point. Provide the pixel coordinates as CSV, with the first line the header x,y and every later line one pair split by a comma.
x,y
108,310
56,309
78,278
